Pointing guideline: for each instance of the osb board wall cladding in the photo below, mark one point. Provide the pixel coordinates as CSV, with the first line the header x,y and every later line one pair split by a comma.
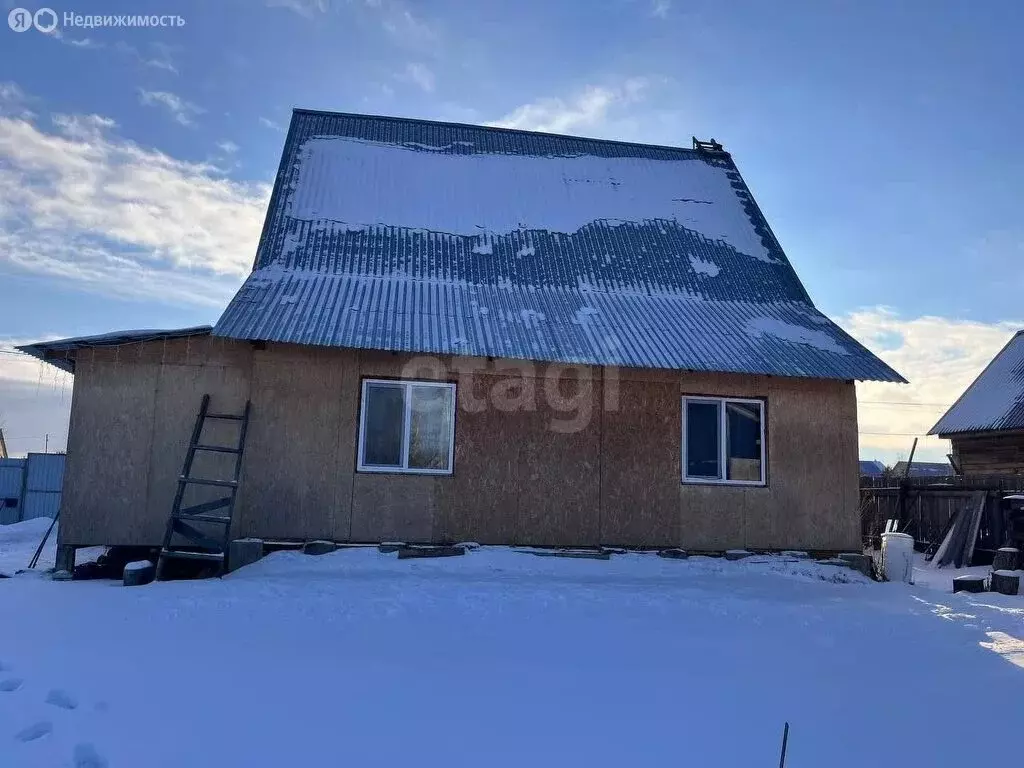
x,y
545,460
131,417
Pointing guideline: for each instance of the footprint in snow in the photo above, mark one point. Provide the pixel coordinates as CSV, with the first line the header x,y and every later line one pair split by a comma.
x,y
62,699
34,731
11,684
86,756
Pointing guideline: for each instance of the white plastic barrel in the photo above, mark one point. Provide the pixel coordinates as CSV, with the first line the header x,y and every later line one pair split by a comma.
x,y
898,557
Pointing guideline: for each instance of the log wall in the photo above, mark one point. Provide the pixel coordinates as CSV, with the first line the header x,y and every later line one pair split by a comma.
x,y
990,454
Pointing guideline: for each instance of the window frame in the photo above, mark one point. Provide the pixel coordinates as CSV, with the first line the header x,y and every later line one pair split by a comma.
x,y
407,386
723,442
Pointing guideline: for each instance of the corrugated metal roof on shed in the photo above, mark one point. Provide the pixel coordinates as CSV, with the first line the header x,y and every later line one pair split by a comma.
x,y
60,352
995,400
415,236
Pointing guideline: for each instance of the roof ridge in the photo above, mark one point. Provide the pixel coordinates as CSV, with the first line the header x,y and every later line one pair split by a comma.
x,y
502,129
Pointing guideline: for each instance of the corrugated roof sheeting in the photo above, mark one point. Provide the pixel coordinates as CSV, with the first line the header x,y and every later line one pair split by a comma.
x,y
593,327
630,254
995,400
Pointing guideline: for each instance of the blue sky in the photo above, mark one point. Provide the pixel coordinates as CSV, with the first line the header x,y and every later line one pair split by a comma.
x,y
881,140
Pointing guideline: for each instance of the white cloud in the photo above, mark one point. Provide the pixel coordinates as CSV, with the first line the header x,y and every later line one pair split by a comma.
x,y
590,108
182,111
228,147
85,42
271,124
13,101
420,75
163,58
660,8
305,8
405,28
83,205
939,356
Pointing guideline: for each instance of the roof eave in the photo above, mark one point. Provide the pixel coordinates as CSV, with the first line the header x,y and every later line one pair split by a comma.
x,y
60,353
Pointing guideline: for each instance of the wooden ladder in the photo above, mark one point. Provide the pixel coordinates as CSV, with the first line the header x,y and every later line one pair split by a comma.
x,y
218,512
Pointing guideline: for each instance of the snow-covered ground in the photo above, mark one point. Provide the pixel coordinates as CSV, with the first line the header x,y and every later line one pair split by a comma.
x,y
18,543
501,658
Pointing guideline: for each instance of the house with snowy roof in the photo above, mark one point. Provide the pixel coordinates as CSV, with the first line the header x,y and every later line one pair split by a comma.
x,y
985,426
454,332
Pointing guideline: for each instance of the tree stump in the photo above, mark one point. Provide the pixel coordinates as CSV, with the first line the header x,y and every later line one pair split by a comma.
x,y
1005,582
1006,559
968,584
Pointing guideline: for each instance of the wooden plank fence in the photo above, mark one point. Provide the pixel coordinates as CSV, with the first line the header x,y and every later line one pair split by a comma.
x,y
925,506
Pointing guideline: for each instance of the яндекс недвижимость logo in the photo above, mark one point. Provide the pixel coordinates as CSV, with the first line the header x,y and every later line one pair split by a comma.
x,y
22,20
46,20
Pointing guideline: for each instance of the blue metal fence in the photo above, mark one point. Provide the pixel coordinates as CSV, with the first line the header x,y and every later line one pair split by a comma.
x,y
30,487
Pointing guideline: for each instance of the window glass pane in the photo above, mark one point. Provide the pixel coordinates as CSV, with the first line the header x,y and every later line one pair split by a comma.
x,y
702,423
430,429
743,441
383,425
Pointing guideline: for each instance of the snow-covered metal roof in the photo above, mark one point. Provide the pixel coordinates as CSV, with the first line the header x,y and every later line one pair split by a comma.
x,y
416,236
60,352
995,400
872,468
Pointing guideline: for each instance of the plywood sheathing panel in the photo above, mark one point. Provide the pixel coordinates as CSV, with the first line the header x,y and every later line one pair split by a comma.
x,y
560,446
180,389
640,464
109,447
615,481
292,460
480,501
812,465
393,507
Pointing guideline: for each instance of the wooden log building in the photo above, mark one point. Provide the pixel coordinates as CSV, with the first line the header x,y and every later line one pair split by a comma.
x,y
985,426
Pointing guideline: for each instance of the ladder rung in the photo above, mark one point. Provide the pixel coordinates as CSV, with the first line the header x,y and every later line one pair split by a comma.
x,y
217,556
218,448
206,481
204,518
206,506
224,416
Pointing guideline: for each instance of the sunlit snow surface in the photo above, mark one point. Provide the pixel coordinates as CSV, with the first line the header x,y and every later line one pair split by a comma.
x,y
501,658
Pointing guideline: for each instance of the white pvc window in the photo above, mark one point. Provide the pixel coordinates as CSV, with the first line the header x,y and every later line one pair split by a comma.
x,y
407,426
723,441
